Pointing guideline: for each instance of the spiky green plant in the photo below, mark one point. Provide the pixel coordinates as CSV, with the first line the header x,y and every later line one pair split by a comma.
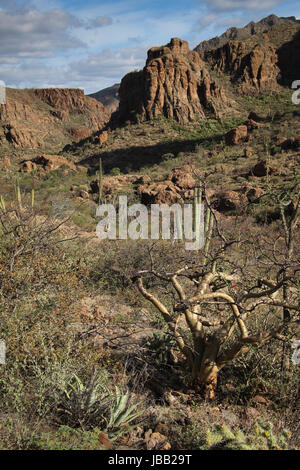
x,y
121,414
84,404
91,404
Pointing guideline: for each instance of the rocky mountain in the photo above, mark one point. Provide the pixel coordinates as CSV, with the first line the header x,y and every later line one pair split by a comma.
x,y
259,57
48,119
174,83
239,34
109,97
183,85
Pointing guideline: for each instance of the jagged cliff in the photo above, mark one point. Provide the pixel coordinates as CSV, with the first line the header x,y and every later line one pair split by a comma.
x,y
174,83
240,34
253,70
258,58
48,118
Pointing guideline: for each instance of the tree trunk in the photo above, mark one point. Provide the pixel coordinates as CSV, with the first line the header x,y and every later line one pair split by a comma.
x,y
206,378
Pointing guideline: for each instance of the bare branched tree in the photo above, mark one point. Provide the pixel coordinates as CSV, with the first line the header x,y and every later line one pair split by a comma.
x,y
234,294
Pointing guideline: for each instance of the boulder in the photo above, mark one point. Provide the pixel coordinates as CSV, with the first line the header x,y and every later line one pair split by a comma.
x,y
230,201
236,136
253,194
156,441
183,177
251,124
103,137
47,163
262,168
28,166
248,152
164,192
80,133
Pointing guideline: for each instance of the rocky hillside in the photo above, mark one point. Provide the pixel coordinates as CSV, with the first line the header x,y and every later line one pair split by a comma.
x,y
259,57
186,85
240,34
109,97
175,83
48,119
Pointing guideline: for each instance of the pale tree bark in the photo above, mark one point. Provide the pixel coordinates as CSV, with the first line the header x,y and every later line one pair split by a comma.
x,y
215,341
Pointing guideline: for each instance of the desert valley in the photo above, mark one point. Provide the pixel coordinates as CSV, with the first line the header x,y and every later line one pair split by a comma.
x,y
141,344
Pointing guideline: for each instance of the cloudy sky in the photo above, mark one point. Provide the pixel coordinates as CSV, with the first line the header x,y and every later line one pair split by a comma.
x,y
91,44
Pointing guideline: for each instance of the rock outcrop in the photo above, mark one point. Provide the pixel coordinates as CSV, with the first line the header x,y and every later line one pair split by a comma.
x,y
67,99
227,201
175,83
44,119
253,70
259,57
47,163
251,29
177,188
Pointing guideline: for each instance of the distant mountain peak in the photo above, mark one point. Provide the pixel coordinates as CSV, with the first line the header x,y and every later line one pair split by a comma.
x,y
245,32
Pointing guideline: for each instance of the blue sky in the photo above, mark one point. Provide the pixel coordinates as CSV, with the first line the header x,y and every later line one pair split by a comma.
x,y
93,44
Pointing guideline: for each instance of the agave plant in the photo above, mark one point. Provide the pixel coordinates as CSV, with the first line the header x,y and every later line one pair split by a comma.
x,y
121,413
94,405
85,405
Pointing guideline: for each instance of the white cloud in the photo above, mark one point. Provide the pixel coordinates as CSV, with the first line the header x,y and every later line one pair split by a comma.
x,y
109,64
31,33
231,5
98,22
94,72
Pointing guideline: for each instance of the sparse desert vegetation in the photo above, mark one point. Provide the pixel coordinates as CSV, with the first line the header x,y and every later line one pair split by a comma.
x,y
142,344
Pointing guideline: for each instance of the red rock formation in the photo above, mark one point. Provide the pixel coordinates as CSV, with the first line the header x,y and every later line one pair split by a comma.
x,y
47,163
79,133
26,122
237,135
174,83
254,69
251,29
103,137
62,98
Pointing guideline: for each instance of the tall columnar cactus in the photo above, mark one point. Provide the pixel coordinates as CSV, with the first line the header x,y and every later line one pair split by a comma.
x,y
100,181
196,208
18,193
208,228
32,194
208,224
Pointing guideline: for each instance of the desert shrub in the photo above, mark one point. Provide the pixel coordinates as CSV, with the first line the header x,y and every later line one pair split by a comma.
x,y
66,438
167,156
115,171
39,285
